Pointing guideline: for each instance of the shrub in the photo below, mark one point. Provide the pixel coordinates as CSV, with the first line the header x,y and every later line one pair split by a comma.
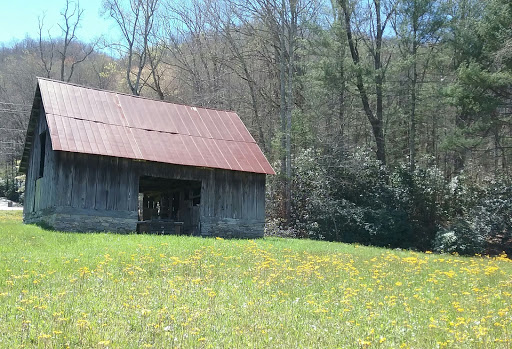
x,y
352,198
492,217
460,237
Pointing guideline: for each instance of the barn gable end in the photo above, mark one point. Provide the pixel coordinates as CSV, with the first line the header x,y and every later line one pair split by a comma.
x,y
114,162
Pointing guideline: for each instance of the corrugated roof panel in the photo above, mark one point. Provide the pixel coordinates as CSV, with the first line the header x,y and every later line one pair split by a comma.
x,y
239,125
68,134
99,122
208,156
50,104
224,147
209,124
146,148
87,106
104,146
157,120
63,100
217,154
78,105
233,129
249,156
103,110
45,96
60,135
199,157
124,104
117,141
82,141
90,132
140,110
185,156
262,160
187,122
170,123
72,100
237,149
195,116
228,131
181,127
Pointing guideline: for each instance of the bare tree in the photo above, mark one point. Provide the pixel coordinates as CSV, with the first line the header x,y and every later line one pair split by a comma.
x,y
236,29
70,50
72,14
136,24
46,49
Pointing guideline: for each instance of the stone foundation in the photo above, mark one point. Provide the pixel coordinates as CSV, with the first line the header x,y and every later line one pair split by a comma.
x,y
232,228
81,220
84,220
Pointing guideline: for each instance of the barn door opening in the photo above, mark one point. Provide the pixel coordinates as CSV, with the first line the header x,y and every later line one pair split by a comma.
x,y
169,206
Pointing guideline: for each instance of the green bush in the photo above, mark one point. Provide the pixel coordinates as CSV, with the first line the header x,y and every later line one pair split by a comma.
x,y
460,237
352,198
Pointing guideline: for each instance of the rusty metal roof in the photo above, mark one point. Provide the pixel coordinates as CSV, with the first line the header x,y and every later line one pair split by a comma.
x,y
91,121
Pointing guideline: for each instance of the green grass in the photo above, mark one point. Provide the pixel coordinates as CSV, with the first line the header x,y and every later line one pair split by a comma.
x,y
62,290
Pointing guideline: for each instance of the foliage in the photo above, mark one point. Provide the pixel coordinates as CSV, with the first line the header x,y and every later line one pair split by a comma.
x,y
12,188
351,198
135,291
460,237
492,216
482,223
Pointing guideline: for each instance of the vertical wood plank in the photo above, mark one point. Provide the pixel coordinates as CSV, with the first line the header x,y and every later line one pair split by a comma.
x,y
133,187
100,198
68,167
245,196
122,188
92,180
113,184
260,198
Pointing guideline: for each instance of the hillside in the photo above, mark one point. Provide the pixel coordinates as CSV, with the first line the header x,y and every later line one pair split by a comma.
x,y
134,291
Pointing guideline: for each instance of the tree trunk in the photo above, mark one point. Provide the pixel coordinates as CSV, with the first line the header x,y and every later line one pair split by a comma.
x,y
282,91
412,121
376,120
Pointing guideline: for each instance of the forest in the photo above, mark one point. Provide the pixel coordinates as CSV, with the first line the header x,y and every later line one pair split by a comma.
x,y
388,122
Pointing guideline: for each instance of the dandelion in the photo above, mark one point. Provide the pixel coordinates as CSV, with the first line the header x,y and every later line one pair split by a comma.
x,y
82,324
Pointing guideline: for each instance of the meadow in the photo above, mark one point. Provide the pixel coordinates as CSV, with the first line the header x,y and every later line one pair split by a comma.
x,y
60,290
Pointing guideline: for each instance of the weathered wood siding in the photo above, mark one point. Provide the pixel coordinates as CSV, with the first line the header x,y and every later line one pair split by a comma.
x,y
85,192
40,192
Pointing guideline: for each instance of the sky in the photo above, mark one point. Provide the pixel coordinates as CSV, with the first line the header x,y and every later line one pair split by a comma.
x,y
19,19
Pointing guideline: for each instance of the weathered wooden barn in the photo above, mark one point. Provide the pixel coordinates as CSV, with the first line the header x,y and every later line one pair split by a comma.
x,y
104,161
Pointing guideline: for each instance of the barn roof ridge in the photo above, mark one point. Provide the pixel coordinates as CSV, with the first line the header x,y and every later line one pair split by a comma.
x,y
131,95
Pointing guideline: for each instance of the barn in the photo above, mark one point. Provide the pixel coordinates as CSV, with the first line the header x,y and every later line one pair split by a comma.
x,y
99,160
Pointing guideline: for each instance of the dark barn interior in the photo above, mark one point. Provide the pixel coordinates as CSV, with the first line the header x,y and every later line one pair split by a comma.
x,y
168,206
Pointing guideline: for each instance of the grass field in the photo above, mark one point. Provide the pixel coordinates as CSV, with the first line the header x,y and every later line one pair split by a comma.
x,y
61,290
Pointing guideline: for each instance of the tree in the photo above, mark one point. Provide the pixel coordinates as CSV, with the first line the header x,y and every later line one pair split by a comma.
x,y
479,36
367,24
136,24
70,50
417,24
